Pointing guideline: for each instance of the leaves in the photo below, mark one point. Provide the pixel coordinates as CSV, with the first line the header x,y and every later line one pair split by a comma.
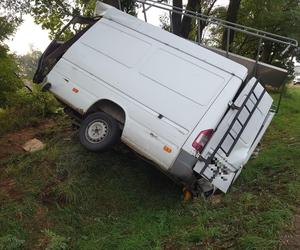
x,y
9,81
7,27
53,15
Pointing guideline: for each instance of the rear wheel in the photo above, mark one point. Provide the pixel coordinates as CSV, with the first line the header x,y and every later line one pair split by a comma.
x,y
99,132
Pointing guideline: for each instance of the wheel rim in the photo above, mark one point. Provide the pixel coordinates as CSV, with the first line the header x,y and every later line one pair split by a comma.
x,y
96,131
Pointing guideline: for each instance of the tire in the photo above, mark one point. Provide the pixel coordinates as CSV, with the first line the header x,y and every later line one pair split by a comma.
x,y
99,132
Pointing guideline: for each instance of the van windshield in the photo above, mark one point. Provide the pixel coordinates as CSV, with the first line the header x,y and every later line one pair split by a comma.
x,y
64,39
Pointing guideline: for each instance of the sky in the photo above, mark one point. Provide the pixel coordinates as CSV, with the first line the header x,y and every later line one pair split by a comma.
x,y
30,35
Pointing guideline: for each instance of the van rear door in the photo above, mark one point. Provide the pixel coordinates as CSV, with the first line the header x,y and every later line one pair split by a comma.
x,y
236,136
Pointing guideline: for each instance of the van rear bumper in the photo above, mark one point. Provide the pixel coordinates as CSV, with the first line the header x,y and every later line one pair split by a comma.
x,y
182,169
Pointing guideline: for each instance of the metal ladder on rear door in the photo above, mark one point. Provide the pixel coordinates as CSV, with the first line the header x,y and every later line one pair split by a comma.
x,y
235,136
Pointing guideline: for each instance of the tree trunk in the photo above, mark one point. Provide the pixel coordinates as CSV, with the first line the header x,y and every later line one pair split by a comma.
x,y
114,3
232,13
176,18
266,53
202,23
186,24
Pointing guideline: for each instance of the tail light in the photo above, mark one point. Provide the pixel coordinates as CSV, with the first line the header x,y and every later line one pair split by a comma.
x,y
202,139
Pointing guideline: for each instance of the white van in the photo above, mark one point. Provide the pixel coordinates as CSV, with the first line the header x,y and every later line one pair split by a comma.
x,y
189,110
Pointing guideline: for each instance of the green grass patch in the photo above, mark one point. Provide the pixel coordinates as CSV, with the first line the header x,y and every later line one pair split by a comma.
x,y
64,197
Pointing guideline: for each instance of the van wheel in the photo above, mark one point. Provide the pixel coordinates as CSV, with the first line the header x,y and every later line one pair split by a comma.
x,y
99,132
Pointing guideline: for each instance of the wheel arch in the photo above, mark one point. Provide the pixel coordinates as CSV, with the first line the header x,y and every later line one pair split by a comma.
x,y
109,107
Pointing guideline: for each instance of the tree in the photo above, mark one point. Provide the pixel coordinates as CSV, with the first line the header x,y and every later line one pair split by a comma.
x,y
176,18
53,15
7,27
276,16
9,81
14,8
28,63
232,14
182,25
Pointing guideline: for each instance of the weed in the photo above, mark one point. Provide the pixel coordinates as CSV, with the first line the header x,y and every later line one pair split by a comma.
x,y
10,242
53,241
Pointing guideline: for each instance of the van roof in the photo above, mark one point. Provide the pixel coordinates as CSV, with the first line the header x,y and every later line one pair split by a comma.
x,y
176,42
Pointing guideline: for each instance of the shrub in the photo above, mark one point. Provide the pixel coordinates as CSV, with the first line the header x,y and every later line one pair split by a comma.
x,y
25,107
9,81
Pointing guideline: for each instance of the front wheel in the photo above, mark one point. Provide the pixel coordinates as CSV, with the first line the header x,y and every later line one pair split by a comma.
x,y
99,132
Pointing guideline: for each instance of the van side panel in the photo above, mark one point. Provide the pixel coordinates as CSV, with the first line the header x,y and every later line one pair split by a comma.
x,y
127,67
143,130
142,79
156,33
159,69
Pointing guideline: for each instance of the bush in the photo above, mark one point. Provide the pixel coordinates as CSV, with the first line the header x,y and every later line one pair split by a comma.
x,y
38,103
25,107
9,81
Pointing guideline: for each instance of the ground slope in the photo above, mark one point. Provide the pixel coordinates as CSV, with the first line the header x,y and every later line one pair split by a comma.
x,y
64,197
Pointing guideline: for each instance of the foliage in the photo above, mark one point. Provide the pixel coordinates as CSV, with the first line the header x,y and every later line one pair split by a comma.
x,y
115,200
14,8
7,27
53,15
28,63
25,107
9,81
279,17
18,106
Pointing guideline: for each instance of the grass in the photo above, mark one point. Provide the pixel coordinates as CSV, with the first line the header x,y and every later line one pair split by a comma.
x,y
64,197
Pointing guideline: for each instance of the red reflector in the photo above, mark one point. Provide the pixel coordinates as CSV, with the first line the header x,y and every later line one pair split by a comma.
x,y
75,90
202,139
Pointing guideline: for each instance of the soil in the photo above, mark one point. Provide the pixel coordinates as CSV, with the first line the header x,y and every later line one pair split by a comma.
x,y
9,190
291,240
11,143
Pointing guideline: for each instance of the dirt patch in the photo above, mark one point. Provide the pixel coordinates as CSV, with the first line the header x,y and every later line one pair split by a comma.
x,y
9,190
41,217
291,240
11,143
292,85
